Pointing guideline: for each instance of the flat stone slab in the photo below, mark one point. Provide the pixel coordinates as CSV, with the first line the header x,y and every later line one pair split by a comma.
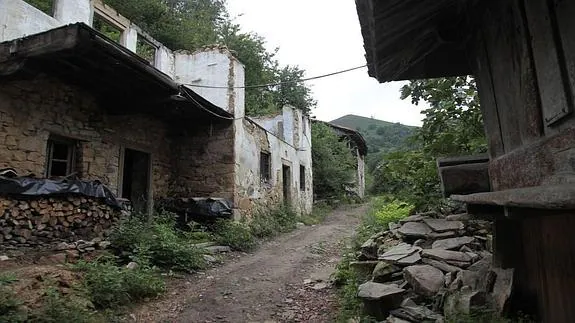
x,y
455,258
398,252
452,243
442,225
413,218
409,260
383,272
376,291
426,280
415,230
445,267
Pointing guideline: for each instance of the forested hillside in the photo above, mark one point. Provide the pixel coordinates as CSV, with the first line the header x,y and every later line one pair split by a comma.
x,y
381,136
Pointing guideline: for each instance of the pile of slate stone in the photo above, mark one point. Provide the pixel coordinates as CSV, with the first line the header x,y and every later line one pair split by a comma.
x,y
429,266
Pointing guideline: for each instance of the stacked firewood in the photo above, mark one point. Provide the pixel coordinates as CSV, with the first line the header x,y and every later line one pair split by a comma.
x,y
39,221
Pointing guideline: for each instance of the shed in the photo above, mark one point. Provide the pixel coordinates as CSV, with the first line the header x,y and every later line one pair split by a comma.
x,y
522,53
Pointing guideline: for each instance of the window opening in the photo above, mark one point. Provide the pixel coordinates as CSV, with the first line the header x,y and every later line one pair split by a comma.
x,y
265,167
61,153
107,28
146,49
302,177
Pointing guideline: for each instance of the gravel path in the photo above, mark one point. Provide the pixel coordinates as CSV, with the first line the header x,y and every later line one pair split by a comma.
x,y
282,281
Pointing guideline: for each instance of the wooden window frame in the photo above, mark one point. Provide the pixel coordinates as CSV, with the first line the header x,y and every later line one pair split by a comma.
x,y
70,159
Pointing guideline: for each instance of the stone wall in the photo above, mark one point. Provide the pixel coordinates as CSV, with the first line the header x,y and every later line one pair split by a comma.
x,y
32,111
204,160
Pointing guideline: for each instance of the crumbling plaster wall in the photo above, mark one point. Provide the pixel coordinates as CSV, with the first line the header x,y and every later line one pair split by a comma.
x,y
251,192
360,175
31,111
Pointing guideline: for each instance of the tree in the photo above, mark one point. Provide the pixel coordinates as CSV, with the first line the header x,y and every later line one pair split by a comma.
x,y
453,125
334,165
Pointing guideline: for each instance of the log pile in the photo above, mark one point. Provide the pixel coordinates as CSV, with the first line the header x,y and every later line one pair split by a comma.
x,y
47,220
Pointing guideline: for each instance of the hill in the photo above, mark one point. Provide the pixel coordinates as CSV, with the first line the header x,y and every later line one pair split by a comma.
x,y
381,136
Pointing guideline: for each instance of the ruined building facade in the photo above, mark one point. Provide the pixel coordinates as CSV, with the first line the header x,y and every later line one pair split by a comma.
x,y
75,102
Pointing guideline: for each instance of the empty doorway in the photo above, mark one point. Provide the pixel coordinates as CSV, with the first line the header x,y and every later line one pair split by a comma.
x,y
286,181
136,179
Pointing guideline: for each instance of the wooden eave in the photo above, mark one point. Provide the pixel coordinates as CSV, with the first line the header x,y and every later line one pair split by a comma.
x,y
416,39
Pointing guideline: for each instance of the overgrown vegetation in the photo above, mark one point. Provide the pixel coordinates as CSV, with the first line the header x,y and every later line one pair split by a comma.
x,y
156,243
110,286
381,137
382,211
452,126
334,166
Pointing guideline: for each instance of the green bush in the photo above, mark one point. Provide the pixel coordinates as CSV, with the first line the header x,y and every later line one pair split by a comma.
x,y
157,243
272,222
110,286
235,234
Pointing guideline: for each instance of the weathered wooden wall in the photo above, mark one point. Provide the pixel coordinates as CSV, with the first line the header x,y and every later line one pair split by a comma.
x,y
524,61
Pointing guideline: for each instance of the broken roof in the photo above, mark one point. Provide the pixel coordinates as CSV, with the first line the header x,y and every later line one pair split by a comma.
x,y
119,78
413,39
354,135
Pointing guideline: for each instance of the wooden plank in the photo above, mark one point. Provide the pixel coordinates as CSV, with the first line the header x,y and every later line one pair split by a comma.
x,y
564,12
554,97
513,74
498,43
482,70
549,251
464,178
552,197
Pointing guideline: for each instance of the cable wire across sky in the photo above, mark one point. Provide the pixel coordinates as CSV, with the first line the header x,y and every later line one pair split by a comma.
x,y
278,83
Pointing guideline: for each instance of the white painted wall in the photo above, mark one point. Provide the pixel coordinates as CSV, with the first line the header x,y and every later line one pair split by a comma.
x,y
19,19
249,145
214,67
73,11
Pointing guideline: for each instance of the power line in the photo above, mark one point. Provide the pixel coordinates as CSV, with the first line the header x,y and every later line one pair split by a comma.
x,y
278,83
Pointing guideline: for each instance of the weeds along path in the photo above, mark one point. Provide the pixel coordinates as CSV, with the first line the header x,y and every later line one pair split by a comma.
x,y
282,281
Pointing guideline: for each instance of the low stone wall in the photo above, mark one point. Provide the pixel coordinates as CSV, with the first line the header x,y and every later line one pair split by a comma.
x,y
45,221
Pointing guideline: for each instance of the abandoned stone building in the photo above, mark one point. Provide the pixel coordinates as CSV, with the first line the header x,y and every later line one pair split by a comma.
x,y
130,113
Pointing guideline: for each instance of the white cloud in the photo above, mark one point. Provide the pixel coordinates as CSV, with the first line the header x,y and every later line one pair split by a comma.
x,y
323,36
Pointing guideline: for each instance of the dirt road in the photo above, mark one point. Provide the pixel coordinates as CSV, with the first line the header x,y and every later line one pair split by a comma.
x,y
283,281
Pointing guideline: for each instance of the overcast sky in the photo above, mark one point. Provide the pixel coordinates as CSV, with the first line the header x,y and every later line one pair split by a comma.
x,y
323,36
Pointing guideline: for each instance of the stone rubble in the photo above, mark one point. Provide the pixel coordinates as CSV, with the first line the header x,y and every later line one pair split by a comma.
x,y
436,264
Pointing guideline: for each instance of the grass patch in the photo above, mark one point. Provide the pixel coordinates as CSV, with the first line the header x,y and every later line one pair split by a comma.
x,y
7,278
110,286
382,211
60,309
158,243
237,235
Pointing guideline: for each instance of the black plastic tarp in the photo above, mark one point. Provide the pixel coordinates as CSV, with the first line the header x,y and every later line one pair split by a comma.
x,y
198,209
30,186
